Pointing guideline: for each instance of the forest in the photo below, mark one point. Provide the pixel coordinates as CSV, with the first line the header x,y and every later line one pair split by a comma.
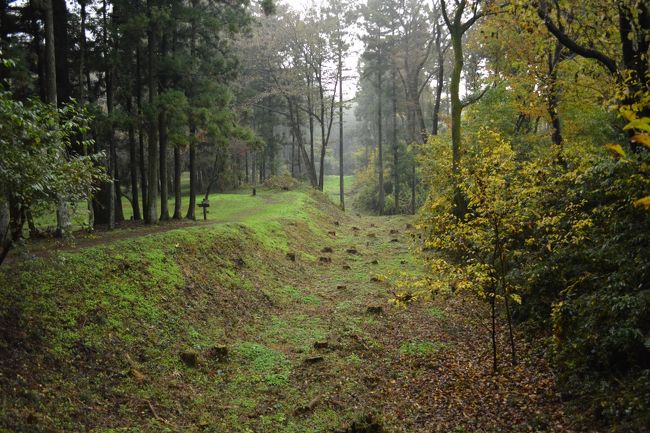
x,y
327,216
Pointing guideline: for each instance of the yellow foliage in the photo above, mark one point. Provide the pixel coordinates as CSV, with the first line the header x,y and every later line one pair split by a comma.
x,y
491,182
616,150
645,202
641,128
643,139
642,124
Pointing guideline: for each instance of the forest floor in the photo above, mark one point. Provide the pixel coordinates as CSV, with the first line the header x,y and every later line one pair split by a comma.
x,y
280,322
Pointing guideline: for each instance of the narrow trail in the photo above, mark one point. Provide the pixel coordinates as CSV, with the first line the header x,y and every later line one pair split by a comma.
x,y
420,368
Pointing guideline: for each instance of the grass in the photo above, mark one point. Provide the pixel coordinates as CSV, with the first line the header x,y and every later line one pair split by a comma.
x,y
421,348
46,218
331,187
267,364
291,294
299,331
436,313
97,333
223,206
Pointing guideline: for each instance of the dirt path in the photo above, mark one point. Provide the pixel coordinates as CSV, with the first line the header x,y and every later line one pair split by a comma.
x,y
421,368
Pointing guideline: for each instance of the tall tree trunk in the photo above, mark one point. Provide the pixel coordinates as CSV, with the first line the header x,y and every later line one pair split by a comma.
x,y
162,137
380,156
82,51
321,168
254,168
299,163
15,216
192,205
112,153
419,114
414,181
151,216
460,206
310,109
50,56
177,183
4,38
37,46
395,144
119,211
419,136
262,166
191,208
133,161
457,28
60,16
440,78
248,177
294,121
5,234
238,182
82,93
141,132
111,191
341,177
553,95
293,158
62,216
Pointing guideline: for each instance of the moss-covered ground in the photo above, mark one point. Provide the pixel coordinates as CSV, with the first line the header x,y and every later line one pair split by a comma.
x,y
275,320
331,188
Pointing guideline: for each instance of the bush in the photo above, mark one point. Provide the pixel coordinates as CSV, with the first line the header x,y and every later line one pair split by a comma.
x,y
366,187
560,234
282,182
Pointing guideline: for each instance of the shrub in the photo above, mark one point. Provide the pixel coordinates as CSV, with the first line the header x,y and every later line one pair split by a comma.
x,y
282,182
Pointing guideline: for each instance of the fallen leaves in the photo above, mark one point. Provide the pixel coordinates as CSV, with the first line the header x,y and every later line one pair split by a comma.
x,y
643,202
454,389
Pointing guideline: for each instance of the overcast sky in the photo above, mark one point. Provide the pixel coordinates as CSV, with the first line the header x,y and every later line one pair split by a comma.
x,y
352,58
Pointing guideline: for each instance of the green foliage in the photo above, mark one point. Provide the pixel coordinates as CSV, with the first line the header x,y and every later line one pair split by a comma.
x,y
34,141
482,245
598,295
562,237
366,187
175,104
436,313
38,166
421,348
268,365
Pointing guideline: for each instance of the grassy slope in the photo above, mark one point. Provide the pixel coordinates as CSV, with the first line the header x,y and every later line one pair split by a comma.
x,y
93,337
91,340
331,187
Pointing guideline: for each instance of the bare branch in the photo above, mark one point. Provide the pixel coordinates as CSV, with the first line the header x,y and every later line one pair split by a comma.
x,y
472,99
608,62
